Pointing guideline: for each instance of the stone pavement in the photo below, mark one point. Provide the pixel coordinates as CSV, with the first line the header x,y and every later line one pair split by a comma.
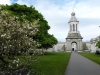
x,y
79,65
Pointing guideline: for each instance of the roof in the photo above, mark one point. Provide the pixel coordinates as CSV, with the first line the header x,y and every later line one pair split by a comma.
x,y
61,42
73,18
74,36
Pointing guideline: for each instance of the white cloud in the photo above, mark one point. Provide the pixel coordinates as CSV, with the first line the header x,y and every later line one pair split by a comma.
x,y
91,31
5,2
58,18
58,15
26,2
88,9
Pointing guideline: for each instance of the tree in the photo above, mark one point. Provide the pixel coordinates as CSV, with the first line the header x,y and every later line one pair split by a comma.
x,y
22,29
49,42
85,47
42,36
98,44
64,47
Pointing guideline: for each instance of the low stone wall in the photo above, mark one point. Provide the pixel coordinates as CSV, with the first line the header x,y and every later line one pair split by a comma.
x,y
23,71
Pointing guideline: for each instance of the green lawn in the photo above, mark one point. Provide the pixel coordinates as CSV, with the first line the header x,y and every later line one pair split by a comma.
x,y
92,56
52,63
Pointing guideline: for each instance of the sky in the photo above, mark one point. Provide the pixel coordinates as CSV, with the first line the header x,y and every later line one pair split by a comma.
x,y
58,14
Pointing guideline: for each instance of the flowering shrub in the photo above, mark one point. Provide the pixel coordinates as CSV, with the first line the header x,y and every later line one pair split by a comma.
x,y
15,38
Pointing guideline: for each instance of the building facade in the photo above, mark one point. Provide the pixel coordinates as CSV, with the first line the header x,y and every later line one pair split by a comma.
x,y
74,39
93,43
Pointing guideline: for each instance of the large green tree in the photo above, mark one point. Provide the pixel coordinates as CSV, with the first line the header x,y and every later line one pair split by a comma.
x,y
42,36
64,47
49,42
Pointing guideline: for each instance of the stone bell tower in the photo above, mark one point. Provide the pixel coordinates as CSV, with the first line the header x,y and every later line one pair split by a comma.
x,y
74,38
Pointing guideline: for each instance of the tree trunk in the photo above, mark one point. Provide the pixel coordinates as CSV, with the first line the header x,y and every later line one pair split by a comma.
x,y
42,52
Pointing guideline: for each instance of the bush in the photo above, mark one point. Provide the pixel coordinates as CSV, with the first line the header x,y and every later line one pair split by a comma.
x,y
97,51
31,52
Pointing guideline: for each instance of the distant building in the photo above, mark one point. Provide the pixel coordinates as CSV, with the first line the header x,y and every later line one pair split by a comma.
x,y
93,42
74,39
59,47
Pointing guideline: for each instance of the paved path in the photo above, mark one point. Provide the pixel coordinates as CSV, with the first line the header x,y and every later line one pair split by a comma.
x,y
79,65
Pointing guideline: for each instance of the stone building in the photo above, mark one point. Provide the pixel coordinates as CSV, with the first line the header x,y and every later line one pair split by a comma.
x,y
93,42
61,46
91,45
74,38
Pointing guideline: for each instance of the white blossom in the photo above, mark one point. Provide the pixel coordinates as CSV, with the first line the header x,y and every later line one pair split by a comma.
x,y
3,35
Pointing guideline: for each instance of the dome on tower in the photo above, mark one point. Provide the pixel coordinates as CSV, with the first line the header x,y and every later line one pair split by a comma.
x,y
73,18
73,13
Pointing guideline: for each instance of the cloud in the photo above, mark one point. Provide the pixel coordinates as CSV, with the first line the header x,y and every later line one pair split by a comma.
x,y
58,13
89,32
22,2
5,2
87,9
58,16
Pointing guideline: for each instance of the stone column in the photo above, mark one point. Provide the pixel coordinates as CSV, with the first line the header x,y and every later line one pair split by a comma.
x,y
70,27
76,27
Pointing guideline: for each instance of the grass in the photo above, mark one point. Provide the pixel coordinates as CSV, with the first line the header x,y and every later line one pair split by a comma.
x,y
92,56
52,63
